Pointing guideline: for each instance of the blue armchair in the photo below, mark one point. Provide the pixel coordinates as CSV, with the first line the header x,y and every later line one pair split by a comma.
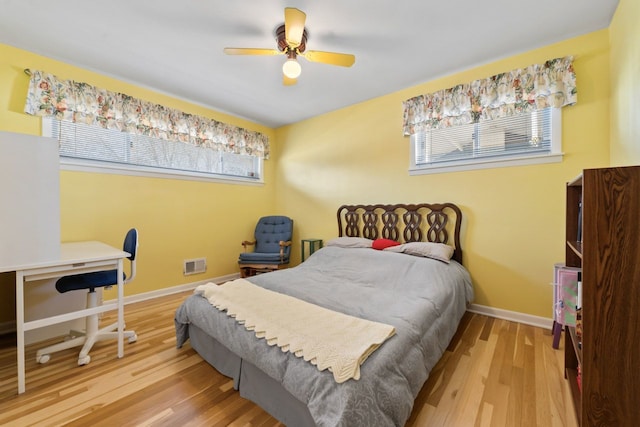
x,y
272,246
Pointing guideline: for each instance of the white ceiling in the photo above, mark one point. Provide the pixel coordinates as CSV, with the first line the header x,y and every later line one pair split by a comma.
x,y
175,47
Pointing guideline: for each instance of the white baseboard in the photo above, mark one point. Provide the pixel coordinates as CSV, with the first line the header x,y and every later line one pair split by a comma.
x,y
37,335
514,316
173,290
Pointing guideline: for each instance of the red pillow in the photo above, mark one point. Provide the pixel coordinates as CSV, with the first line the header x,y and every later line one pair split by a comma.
x,y
380,244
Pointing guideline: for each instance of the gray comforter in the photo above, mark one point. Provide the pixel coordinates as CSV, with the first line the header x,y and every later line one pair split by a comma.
x,y
422,298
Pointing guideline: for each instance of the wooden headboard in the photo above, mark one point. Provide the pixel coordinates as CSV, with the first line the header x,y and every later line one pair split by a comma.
x,y
423,222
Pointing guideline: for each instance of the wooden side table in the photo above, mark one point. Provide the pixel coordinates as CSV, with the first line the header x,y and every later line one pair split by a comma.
x,y
313,244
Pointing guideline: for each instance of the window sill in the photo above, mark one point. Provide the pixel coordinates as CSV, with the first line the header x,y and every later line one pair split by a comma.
x,y
149,172
486,164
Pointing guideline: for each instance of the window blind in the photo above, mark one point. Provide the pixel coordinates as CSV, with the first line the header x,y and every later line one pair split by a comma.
x,y
97,144
519,135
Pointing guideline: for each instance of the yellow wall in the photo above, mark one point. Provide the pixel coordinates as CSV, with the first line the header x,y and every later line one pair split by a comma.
x,y
625,84
514,217
514,228
176,219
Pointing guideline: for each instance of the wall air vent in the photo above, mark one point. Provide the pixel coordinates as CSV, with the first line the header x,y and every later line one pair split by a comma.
x,y
194,266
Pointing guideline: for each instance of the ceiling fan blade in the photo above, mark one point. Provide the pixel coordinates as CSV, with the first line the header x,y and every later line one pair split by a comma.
x,y
333,58
251,51
287,81
294,20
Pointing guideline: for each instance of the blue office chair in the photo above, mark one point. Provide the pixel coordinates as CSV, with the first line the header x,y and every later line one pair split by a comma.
x,y
91,281
272,246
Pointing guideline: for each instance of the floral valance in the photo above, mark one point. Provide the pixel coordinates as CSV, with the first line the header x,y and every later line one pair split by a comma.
x,y
83,103
538,86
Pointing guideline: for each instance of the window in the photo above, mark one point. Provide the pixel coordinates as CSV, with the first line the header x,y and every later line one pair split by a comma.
x,y
528,138
86,147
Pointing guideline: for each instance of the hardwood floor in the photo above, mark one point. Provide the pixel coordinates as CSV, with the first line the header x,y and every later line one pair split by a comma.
x,y
494,373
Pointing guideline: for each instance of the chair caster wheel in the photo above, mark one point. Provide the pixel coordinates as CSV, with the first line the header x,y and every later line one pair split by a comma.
x,y
84,360
133,338
43,359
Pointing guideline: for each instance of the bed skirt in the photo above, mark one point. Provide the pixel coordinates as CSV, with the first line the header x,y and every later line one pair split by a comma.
x,y
251,382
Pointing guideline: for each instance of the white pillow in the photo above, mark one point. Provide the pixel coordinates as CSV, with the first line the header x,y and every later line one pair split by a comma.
x,y
350,242
438,251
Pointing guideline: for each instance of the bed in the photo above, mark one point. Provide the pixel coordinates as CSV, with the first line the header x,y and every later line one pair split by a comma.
x,y
422,297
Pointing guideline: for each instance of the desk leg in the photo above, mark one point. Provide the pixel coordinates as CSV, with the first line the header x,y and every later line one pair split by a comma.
x,y
20,329
120,310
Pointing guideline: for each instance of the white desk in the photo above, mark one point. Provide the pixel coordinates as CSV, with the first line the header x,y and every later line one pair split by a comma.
x,y
75,258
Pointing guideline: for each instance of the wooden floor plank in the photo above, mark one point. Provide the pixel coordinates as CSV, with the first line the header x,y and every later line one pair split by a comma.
x,y
493,373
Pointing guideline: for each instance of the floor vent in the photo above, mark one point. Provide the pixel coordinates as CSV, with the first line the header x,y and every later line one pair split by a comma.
x,y
195,266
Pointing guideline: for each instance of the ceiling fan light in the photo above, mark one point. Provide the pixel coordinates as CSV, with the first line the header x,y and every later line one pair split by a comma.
x,y
291,68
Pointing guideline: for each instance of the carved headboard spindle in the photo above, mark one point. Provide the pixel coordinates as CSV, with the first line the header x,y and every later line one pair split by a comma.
x,y
351,223
437,227
390,225
412,232
370,228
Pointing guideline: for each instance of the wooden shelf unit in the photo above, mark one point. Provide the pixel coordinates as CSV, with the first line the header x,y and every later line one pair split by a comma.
x,y
608,356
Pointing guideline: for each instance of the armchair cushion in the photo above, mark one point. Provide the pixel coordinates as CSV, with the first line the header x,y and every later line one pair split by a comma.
x,y
260,258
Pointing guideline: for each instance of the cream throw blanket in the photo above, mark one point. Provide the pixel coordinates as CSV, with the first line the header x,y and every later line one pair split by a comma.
x,y
327,339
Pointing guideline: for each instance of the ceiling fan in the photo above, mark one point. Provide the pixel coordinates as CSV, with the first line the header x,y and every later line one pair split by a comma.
x,y
292,42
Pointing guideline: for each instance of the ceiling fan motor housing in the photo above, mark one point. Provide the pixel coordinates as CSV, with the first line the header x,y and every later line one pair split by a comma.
x,y
283,46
